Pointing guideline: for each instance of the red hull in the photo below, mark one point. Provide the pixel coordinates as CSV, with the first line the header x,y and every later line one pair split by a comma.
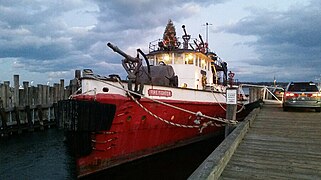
x,y
135,133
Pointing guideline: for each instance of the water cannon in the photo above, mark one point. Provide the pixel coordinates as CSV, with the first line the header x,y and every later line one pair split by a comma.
x,y
202,46
197,46
130,63
201,39
186,38
185,34
122,53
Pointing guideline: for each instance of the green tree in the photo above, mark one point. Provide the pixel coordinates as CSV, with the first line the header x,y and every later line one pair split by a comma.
x,y
169,37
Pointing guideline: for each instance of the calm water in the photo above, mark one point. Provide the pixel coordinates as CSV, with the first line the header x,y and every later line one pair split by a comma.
x,y
38,155
43,155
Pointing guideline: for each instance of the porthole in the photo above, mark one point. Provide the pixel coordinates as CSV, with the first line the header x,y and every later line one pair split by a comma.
x,y
105,89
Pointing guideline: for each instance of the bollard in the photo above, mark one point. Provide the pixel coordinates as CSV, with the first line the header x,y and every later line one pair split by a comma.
x,y
231,107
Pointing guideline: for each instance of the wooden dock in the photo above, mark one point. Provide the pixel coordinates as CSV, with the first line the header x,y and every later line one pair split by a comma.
x,y
271,145
27,107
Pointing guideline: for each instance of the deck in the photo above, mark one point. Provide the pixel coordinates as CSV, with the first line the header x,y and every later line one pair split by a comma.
x,y
275,145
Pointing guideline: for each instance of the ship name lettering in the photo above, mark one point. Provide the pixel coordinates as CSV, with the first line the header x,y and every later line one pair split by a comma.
x,y
159,92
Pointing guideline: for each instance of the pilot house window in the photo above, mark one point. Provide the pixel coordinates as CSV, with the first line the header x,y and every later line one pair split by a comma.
x,y
203,64
189,58
178,58
165,58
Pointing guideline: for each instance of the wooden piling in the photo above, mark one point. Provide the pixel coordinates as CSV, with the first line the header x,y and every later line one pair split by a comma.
x,y
51,95
62,89
231,107
4,120
31,97
259,93
5,94
26,93
29,118
231,115
74,84
44,94
30,107
55,112
16,90
55,92
40,117
255,93
17,118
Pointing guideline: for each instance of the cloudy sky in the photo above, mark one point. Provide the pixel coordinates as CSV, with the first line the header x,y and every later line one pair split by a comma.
x,y
44,41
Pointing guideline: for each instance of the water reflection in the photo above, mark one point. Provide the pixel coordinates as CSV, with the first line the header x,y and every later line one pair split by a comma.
x,y
43,155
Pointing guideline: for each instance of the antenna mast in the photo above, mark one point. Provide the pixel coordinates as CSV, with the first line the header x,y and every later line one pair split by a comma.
x,y
207,24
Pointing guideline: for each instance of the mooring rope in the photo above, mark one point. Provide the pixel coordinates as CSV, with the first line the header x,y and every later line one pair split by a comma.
x,y
169,105
197,114
223,106
79,89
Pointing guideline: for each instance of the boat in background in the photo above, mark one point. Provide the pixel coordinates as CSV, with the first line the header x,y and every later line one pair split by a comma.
x,y
177,98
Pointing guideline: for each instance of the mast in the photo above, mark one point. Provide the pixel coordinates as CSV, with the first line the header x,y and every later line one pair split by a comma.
x,y
207,24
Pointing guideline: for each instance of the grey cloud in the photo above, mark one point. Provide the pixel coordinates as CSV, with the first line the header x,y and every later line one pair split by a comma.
x,y
34,48
289,39
26,12
144,14
35,33
32,32
128,23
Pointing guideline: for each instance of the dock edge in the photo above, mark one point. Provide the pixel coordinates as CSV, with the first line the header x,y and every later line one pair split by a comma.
x,y
213,166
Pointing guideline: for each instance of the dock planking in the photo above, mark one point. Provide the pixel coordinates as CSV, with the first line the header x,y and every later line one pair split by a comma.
x,y
281,145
